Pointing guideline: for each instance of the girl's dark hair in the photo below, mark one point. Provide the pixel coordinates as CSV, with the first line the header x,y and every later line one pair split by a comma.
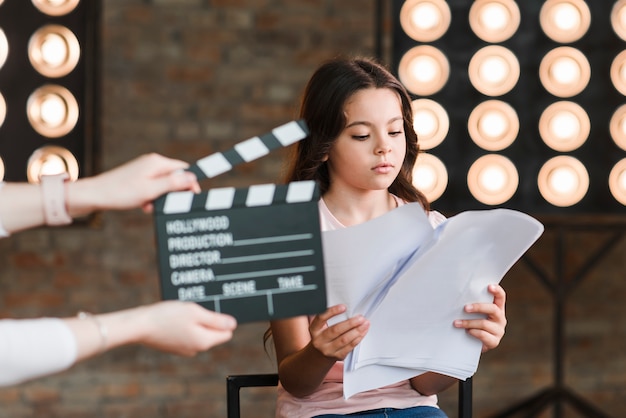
x,y
322,109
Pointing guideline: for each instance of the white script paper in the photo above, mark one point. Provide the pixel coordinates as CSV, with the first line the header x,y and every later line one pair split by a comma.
x,y
412,281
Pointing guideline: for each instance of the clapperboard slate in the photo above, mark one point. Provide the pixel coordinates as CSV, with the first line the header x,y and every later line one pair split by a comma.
x,y
255,252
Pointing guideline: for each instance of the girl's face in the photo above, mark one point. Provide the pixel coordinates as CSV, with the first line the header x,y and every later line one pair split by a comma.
x,y
368,153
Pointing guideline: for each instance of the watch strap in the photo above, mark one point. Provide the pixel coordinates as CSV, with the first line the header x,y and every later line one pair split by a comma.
x,y
53,192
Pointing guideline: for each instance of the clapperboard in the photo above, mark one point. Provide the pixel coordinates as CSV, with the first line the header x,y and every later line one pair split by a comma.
x,y
254,252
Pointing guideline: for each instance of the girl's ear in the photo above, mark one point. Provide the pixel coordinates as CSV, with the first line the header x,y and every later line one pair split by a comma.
x,y
325,158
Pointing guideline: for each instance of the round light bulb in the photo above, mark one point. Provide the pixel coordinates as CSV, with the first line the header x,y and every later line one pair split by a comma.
x,y
425,16
493,124
53,110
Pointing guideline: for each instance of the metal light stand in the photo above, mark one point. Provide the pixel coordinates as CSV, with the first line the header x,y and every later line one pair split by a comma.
x,y
560,288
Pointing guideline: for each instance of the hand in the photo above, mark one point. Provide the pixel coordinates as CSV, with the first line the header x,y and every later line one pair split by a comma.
x,y
337,340
134,184
185,328
490,329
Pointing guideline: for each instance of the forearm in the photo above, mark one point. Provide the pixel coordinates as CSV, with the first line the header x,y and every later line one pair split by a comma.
x,y
31,348
173,326
80,199
85,196
303,372
28,214
95,334
132,185
431,383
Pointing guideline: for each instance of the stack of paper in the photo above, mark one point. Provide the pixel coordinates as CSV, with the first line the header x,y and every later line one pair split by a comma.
x,y
412,281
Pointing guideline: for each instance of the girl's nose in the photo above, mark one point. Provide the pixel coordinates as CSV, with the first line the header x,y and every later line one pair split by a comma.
x,y
383,146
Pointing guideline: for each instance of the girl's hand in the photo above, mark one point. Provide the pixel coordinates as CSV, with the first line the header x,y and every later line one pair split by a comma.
x,y
336,341
490,329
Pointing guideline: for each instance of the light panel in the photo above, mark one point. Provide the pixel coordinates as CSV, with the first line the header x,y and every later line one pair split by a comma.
x,y
538,85
49,83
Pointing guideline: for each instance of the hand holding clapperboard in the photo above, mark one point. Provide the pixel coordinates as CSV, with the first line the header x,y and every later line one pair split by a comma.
x,y
255,252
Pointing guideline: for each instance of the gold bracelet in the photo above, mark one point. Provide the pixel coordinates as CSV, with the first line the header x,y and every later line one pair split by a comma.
x,y
82,315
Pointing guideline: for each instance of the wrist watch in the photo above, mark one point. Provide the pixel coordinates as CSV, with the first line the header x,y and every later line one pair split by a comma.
x,y
53,192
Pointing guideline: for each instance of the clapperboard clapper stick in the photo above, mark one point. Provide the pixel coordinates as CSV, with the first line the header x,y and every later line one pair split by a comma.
x,y
254,252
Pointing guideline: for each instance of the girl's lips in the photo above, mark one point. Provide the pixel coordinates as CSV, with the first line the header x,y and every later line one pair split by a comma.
x,y
383,168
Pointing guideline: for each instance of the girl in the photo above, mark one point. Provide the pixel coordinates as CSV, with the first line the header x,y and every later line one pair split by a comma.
x,y
361,150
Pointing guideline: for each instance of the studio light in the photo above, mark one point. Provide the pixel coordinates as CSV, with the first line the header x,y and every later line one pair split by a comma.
x,y
50,160
617,181
53,51
563,181
618,19
52,111
430,176
49,82
618,72
425,20
3,110
564,126
521,103
494,20
493,125
565,71
494,70
431,123
618,127
4,48
492,179
56,7
565,21
424,70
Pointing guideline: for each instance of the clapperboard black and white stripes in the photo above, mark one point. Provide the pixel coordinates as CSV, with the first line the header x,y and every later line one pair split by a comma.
x,y
253,252
250,149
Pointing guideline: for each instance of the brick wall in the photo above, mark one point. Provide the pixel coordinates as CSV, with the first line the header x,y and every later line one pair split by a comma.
x,y
186,78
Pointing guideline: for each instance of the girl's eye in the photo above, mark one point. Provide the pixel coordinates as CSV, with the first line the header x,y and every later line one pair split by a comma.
x,y
360,137
395,133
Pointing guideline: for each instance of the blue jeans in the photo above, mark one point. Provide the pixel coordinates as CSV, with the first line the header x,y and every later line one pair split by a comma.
x,y
415,412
